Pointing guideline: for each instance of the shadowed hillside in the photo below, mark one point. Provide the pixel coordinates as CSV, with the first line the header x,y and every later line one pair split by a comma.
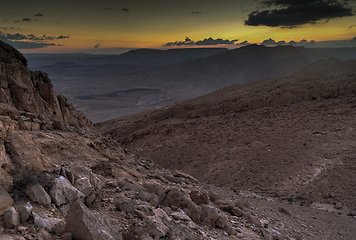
x,y
290,137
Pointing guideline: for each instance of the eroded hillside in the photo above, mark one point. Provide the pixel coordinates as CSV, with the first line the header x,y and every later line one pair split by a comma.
x,y
288,137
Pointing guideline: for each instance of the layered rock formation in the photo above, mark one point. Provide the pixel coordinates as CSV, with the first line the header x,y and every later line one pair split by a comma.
x,y
28,97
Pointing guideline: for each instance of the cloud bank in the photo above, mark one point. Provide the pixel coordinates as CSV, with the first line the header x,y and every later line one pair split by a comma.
x,y
206,42
293,13
30,41
312,43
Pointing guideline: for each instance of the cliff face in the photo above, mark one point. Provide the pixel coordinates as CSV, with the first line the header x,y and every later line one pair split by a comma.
x,y
28,99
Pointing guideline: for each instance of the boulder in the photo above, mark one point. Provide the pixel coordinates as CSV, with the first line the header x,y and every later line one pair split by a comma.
x,y
156,227
11,217
63,192
211,216
85,224
54,225
199,197
37,194
153,187
83,185
178,198
5,200
25,212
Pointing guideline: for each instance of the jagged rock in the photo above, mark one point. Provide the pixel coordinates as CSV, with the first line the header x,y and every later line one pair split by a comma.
x,y
5,200
63,192
179,174
162,214
211,216
25,212
32,92
11,217
54,225
156,227
84,186
155,188
88,225
229,207
199,197
37,194
178,198
180,216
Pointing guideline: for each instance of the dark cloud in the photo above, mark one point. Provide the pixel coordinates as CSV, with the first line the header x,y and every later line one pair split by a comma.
x,y
312,43
292,13
63,36
352,26
269,42
26,20
206,42
186,42
210,42
27,45
38,15
125,9
97,45
31,37
196,13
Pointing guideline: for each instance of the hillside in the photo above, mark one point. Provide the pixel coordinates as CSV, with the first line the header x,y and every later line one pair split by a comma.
x,y
60,179
289,137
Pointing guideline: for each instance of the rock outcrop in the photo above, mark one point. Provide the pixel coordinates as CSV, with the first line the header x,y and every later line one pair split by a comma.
x,y
28,97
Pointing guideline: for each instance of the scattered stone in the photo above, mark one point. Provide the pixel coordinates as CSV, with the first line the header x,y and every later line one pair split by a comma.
x,y
87,225
162,214
25,212
229,207
54,225
179,174
11,217
178,198
155,188
199,197
5,200
180,216
156,227
283,210
37,194
44,235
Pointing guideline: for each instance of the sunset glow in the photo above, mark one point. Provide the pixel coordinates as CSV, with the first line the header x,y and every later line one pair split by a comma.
x,y
67,26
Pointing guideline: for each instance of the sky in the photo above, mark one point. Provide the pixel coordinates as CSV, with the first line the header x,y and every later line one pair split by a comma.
x,y
107,26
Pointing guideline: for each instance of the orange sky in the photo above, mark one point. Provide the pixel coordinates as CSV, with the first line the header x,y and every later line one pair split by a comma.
x,y
95,26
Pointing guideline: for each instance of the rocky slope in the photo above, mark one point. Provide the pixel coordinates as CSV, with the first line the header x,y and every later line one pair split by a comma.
x,y
59,179
290,137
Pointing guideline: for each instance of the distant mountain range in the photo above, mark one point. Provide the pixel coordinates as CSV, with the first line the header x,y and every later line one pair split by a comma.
x,y
168,76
